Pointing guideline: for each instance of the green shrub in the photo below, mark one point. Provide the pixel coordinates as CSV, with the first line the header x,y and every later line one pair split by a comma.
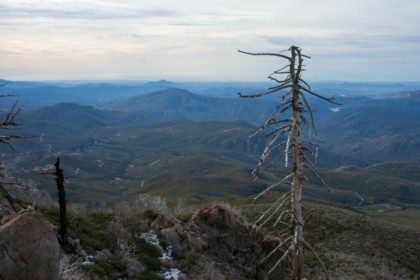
x,y
102,268
185,217
150,214
92,228
150,275
192,257
147,253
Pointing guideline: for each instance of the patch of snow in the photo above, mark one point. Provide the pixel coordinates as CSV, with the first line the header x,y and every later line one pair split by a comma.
x,y
173,273
152,238
167,255
88,260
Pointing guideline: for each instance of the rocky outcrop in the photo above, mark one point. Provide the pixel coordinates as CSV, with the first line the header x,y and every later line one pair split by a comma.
x,y
217,236
28,247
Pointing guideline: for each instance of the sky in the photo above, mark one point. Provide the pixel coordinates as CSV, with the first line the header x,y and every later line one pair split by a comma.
x,y
186,40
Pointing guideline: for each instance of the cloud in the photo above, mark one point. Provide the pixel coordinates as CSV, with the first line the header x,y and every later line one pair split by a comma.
x,y
61,10
189,36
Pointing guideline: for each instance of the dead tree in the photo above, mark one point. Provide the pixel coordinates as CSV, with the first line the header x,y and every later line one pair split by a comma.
x,y
8,124
63,238
287,141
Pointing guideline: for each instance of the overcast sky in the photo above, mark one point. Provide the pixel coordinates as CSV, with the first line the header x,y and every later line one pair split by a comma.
x,y
351,40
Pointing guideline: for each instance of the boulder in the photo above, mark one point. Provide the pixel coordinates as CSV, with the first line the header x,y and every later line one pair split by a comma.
x,y
28,247
5,208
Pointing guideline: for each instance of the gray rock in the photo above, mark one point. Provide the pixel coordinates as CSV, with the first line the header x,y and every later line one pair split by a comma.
x,y
28,247
104,255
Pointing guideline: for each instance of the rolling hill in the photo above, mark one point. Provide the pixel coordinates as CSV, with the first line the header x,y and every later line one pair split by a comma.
x,y
152,137
374,131
179,104
196,150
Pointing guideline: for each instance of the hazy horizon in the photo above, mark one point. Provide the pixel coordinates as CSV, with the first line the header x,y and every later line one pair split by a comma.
x,y
198,81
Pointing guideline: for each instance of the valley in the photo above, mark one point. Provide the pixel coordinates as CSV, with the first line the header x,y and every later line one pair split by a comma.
x,y
190,149
173,136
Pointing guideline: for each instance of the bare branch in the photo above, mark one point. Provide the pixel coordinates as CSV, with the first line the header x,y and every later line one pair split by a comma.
x,y
307,106
269,54
318,258
283,197
264,93
329,99
288,251
273,186
275,249
287,133
280,216
272,215
313,170
303,81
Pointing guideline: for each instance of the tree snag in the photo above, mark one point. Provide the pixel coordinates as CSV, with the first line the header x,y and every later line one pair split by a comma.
x,y
286,140
8,124
63,238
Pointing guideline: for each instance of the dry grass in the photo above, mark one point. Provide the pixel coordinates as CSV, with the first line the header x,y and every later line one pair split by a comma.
x,y
362,247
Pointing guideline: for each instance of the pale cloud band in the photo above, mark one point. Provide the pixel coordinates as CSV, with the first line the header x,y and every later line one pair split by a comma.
x,y
180,39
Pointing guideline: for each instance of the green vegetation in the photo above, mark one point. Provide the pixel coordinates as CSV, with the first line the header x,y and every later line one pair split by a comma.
x,y
192,257
368,226
91,228
95,231
147,253
345,237
402,216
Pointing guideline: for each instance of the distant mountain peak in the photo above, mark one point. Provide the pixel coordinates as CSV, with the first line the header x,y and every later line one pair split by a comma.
x,y
161,82
172,91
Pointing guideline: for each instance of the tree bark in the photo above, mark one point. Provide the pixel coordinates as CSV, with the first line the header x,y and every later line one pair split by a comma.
x,y
298,177
62,202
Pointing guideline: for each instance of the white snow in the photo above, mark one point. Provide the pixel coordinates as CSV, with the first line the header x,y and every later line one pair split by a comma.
x,y
173,273
152,238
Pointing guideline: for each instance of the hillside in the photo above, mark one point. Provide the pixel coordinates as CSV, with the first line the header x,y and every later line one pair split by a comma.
x,y
374,131
219,241
361,132
35,94
201,160
178,104
191,151
113,152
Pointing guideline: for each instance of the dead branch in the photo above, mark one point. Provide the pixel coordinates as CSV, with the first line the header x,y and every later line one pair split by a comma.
x,y
318,258
287,134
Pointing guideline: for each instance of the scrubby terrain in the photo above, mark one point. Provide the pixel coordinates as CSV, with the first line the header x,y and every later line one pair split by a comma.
x,y
145,239
158,181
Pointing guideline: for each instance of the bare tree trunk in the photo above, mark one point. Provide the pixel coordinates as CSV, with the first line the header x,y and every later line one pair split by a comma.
x,y
63,237
61,201
298,177
286,132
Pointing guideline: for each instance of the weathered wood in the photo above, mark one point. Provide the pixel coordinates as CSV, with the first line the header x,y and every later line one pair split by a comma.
x,y
289,136
63,236
62,202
